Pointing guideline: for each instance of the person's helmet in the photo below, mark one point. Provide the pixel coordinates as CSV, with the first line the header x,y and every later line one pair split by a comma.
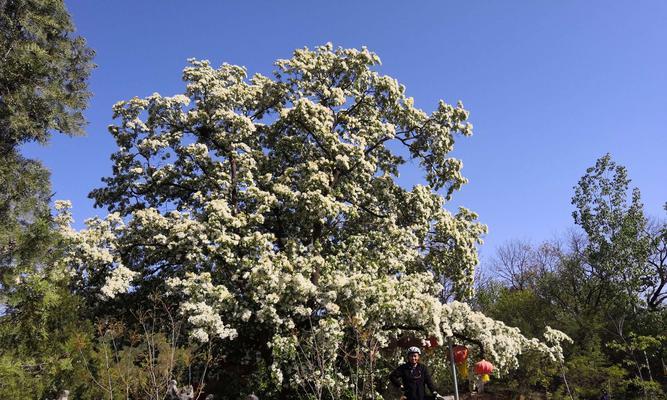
x,y
414,349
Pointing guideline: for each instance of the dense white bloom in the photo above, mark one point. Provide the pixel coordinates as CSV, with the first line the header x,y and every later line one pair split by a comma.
x,y
555,336
274,202
63,216
202,305
200,335
118,282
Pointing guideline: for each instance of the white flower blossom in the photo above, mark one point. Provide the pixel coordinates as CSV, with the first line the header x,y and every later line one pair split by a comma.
x,y
118,282
275,202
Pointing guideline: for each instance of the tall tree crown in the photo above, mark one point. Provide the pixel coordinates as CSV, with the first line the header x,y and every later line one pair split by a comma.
x,y
268,212
307,159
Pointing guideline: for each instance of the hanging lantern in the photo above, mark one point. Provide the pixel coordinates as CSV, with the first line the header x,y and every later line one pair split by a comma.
x,y
484,368
460,357
432,342
460,354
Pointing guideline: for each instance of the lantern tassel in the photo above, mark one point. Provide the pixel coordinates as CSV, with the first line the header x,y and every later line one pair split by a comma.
x,y
485,378
463,370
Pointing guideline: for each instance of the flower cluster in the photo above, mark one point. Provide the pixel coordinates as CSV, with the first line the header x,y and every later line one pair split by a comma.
x,y
202,306
118,282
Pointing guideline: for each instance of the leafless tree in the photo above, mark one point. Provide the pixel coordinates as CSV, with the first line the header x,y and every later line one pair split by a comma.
x,y
517,264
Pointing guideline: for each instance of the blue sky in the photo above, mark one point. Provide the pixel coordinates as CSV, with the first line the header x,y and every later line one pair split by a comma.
x,y
551,86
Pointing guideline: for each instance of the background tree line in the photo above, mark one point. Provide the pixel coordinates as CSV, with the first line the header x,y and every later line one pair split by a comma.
x,y
603,283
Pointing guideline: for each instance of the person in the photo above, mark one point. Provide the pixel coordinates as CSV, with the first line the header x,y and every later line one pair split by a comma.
x,y
412,377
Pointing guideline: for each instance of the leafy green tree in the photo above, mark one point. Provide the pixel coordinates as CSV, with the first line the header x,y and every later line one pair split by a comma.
x,y
625,260
603,286
43,73
43,88
617,244
37,331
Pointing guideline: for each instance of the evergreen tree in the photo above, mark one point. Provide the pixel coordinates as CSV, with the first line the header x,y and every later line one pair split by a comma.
x,y
43,73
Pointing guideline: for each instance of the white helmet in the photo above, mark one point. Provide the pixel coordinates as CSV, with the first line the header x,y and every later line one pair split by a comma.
x,y
414,349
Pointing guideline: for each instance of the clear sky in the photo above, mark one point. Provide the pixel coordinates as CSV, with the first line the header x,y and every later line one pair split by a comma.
x,y
551,86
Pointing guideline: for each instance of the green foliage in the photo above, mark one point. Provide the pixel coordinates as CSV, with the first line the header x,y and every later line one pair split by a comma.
x,y
523,309
43,72
37,332
617,245
604,286
139,369
40,316
590,373
24,232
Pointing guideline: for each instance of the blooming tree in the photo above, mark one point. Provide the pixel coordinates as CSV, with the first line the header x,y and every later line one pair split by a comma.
x,y
268,207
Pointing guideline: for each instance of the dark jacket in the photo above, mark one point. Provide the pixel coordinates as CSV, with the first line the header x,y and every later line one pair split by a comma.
x,y
413,380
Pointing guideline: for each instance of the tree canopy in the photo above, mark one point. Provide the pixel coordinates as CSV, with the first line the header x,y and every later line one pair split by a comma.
x,y
267,209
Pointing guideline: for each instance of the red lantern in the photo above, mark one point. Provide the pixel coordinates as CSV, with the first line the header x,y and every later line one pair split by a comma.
x,y
460,354
432,342
460,357
484,368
